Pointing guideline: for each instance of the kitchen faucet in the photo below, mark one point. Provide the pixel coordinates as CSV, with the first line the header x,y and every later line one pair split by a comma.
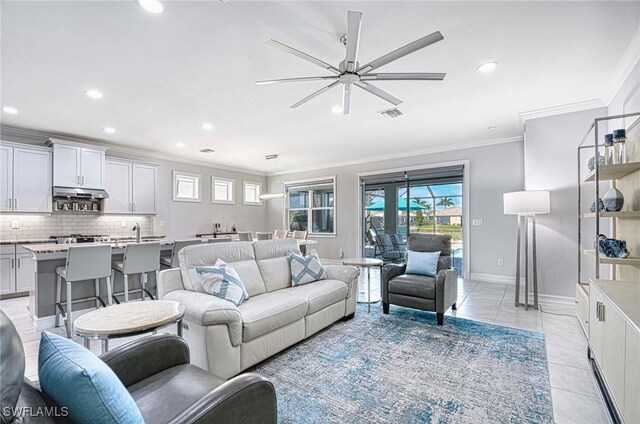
x,y
136,228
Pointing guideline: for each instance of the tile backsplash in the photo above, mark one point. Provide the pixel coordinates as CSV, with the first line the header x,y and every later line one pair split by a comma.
x,y
43,226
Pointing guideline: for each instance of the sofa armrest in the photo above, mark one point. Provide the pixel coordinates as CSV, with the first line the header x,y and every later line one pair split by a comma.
x,y
347,274
146,356
245,399
168,281
206,309
390,271
446,289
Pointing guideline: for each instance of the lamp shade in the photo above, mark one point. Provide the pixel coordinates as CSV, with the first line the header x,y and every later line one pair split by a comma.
x,y
526,202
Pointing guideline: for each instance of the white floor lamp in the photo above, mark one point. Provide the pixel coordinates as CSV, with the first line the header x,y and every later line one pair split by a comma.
x,y
526,204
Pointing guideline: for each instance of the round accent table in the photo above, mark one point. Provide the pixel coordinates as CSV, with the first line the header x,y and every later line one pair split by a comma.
x,y
367,263
128,319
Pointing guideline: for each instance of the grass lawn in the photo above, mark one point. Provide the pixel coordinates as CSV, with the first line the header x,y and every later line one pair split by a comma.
x,y
455,231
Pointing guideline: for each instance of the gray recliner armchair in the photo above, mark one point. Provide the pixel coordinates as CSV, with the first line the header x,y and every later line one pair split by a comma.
x,y
157,373
433,294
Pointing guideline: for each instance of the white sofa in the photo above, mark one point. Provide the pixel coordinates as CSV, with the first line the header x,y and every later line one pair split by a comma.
x,y
226,339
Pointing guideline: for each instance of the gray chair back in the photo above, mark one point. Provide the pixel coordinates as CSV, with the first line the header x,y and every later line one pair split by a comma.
x,y
11,367
88,262
245,236
264,236
432,243
179,245
219,240
141,257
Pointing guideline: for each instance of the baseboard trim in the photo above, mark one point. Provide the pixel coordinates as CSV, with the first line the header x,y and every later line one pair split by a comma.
x,y
504,279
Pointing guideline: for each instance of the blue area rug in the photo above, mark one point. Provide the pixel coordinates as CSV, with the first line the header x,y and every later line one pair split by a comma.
x,y
403,368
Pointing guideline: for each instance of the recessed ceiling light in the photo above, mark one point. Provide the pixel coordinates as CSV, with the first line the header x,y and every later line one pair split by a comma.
x,y
109,130
491,128
152,6
180,144
336,109
487,67
94,94
10,110
207,126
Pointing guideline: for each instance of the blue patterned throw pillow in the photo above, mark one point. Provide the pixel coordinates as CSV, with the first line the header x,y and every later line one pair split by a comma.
x,y
305,269
222,281
78,380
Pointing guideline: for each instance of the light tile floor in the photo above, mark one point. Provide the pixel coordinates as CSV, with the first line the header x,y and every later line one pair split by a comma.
x,y
575,395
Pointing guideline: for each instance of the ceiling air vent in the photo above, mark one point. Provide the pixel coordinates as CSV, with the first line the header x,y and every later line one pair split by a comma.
x,y
391,113
207,150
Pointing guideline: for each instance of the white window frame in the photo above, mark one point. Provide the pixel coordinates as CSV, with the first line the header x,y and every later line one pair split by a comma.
x,y
288,185
244,193
198,179
231,186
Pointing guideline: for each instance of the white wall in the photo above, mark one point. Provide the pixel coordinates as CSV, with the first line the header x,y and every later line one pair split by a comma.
x,y
493,170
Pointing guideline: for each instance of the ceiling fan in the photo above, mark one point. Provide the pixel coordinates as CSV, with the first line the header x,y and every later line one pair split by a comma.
x,y
350,73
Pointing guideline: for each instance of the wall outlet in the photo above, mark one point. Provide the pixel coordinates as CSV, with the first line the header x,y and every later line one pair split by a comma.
x,y
500,262
341,253
162,223
123,224
476,222
15,225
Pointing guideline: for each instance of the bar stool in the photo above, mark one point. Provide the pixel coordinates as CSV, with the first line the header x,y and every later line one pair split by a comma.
x,y
139,258
280,234
245,236
83,263
178,245
219,240
264,236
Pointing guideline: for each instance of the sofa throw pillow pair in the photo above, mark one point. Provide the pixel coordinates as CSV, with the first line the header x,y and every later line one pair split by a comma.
x,y
305,269
223,281
422,263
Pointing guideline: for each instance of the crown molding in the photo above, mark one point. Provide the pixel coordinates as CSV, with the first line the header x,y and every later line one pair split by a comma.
x,y
562,109
116,150
629,60
381,158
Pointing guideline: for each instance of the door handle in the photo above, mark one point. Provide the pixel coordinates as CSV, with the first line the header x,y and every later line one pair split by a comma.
x,y
10,202
78,179
18,262
15,203
13,265
134,207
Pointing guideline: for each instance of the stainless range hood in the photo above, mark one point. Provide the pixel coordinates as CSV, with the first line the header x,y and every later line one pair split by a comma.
x,y
79,193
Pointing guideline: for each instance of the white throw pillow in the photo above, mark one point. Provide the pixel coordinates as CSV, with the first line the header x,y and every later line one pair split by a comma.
x,y
305,269
222,280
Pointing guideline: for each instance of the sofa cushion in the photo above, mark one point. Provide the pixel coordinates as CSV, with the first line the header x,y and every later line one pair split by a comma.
x,y
77,379
321,294
267,312
306,269
414,285
239,254
272,257
222,281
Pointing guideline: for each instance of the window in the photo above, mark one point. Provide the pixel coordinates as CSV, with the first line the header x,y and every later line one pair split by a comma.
x,y
222,190
251,192
311,206
186,187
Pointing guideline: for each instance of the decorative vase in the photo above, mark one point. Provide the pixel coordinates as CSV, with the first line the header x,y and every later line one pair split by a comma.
x,y
592,162
600,206
613,200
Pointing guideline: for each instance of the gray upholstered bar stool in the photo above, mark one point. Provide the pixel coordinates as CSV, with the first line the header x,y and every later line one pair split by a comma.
x,y
264,236
219,240
83,263
139,258
178,245
245,236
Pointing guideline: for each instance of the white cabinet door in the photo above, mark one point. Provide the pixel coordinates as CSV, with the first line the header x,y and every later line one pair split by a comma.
x,y
118,186
7,274
596,326
91,168
31,180
613,352
144,189
66,166
631,412
6,178
25,272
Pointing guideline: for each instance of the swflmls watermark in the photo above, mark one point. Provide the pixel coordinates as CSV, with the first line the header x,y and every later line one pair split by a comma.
x,y
30,411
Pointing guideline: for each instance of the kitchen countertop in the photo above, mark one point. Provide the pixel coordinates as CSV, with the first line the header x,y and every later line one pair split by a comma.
x,y
49,240
56,248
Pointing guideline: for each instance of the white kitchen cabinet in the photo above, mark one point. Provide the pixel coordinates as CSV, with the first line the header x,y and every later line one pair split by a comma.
x,y
144,189
76,165
7,274
132,188
25,179
25,272
632,375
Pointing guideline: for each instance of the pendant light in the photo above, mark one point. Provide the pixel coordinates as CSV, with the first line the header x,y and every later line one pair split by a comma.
x,y
270,196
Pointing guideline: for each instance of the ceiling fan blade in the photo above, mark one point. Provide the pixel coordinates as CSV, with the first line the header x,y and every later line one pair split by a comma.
x,y
377,92
401,52
303,55
302,79
413,76
314,94
346,99
354,24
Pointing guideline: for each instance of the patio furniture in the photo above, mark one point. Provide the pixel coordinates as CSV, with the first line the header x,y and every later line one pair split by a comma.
x,y
398,242
386,249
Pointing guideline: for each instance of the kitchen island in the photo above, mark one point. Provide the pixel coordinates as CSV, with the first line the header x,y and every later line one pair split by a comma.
x,y
49,256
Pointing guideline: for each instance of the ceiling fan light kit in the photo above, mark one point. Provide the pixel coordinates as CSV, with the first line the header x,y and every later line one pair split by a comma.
x,y
350,73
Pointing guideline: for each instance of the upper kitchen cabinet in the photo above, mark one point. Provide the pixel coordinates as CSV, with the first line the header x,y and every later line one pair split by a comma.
x,y
132,188
25,178
77,165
